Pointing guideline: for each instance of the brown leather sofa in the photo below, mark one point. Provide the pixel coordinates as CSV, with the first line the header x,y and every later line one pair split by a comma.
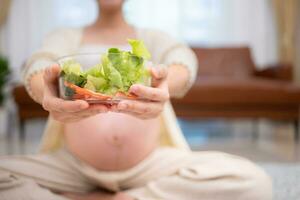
x,y
227,86
27,108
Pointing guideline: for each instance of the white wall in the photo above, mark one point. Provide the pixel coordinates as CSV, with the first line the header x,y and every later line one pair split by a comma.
x,y
249,22
24,30
228,22
297,66
222,23
261,30
3,44
28,23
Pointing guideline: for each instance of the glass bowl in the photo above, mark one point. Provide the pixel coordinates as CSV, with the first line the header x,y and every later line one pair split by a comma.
x,y
71,91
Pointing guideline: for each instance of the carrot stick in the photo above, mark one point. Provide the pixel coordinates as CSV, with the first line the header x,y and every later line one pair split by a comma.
x,y
128,96
82,92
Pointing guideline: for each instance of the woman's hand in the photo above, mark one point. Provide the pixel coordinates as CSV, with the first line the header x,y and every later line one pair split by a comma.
x,y
154,97
61,110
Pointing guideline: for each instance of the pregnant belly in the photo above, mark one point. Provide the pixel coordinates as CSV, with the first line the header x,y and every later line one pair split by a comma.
x,y
112,141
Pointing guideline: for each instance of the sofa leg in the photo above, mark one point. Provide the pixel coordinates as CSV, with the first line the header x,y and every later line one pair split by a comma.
x,y
255,130
22,130
296,128
296,138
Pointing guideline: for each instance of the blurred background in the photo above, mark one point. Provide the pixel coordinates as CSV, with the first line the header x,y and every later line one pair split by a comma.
x,y
245,100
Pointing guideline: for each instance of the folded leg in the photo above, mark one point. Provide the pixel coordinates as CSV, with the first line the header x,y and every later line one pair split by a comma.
x,y
209,176
14,187
39,176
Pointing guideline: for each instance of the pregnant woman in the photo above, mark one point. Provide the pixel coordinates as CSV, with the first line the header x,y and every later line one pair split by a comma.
x,y
127,151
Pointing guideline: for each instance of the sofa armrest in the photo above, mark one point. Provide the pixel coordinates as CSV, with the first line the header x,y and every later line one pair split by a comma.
x,y
282,72
27,108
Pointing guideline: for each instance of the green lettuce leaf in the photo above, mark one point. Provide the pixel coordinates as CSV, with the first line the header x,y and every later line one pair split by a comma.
x,y
71,66
139,49
95,83
95,71
111,73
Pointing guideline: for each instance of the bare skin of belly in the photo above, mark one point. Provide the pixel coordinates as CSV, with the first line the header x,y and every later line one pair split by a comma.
x,y
112,141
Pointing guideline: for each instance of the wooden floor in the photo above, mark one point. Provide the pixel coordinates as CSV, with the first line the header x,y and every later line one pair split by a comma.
x,y
261,140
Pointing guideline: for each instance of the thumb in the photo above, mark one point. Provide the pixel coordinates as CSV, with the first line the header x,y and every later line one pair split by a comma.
x,y
159,74
51,74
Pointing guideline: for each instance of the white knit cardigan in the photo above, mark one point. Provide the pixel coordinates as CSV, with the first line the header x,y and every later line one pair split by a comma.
x,y
164,50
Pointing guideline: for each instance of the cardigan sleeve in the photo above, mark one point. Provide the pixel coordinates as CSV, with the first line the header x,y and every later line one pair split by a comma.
x,y
58,43
184,56
167,50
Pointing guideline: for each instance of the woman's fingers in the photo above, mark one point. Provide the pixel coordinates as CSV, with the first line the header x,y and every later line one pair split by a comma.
x,y
76,116
51,75
91,111
51,101
60,105
150,93
51,80
64,110
98,108
156,95
159,74
139,107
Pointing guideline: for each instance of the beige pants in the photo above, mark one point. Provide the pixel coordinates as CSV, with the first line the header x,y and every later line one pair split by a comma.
x,y
167,174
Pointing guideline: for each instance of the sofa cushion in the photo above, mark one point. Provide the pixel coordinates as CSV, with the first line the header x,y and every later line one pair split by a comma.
x,y
231,62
